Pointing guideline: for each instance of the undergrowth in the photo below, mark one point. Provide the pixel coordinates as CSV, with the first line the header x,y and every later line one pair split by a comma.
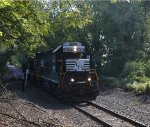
x,y
135,76
143,88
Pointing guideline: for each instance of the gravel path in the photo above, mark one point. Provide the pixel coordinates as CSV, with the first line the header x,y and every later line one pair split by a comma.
x,y
38,106
126,103
60,111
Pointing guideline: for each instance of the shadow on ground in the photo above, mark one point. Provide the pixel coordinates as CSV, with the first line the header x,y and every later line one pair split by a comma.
x,y
35,95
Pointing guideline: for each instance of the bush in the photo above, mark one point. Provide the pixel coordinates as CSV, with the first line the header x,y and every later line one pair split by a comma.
x,y
139,87
138,79
113,67
134,71
134,76
147,68
147,88
112,81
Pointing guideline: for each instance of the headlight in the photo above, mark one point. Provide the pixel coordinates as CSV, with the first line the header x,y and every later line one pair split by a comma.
x,y
89,79
75,48
72,80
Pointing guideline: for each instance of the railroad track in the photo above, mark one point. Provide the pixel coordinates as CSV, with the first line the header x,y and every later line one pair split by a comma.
x,y
106,117
100,114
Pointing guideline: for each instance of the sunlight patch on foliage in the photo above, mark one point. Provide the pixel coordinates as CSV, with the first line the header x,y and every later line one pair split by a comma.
x,y
114,1
1,33
140,87
4,3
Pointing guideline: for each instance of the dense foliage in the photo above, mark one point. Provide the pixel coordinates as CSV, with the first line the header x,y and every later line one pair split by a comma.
x,y
117,30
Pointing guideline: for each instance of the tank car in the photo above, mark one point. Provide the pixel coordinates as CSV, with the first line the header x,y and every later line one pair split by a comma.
x,y
68,69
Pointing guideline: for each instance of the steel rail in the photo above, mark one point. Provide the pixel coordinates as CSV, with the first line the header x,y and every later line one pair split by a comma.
x,y
131,121
91,116
94,118
78,108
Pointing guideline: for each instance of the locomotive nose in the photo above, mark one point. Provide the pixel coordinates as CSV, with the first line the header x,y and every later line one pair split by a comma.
x,y
77,65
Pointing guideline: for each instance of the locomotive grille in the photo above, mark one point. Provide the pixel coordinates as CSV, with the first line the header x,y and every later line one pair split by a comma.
x,y
77,65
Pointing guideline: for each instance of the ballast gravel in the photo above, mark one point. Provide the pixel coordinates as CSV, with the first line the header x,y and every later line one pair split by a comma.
x,y
39,106
106,117
126,103
63,113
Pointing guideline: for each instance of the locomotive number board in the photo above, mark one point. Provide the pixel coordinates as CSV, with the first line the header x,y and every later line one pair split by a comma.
x,y
73,48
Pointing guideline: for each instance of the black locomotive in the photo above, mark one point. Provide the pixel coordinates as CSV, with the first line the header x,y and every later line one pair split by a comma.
x,y
67,69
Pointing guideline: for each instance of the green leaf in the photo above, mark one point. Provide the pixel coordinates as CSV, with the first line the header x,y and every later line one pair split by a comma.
x,y
1,33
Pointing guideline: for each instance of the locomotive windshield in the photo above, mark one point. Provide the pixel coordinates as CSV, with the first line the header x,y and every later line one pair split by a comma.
x,y
76,56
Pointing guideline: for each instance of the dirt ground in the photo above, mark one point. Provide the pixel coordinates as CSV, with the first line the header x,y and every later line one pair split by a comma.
x,y
16,111
34,107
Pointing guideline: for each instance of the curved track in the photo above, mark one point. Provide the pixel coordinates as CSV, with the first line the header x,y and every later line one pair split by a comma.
x,y
100,114
106,117
91,116
136,123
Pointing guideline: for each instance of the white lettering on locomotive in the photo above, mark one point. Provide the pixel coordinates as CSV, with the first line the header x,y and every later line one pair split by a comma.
x,y
77,65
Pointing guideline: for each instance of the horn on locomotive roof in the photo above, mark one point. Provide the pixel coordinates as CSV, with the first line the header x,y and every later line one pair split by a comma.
x,y
72,44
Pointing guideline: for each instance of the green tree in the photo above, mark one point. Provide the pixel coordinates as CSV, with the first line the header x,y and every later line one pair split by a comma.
x,y
117,34
67,20
22,25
